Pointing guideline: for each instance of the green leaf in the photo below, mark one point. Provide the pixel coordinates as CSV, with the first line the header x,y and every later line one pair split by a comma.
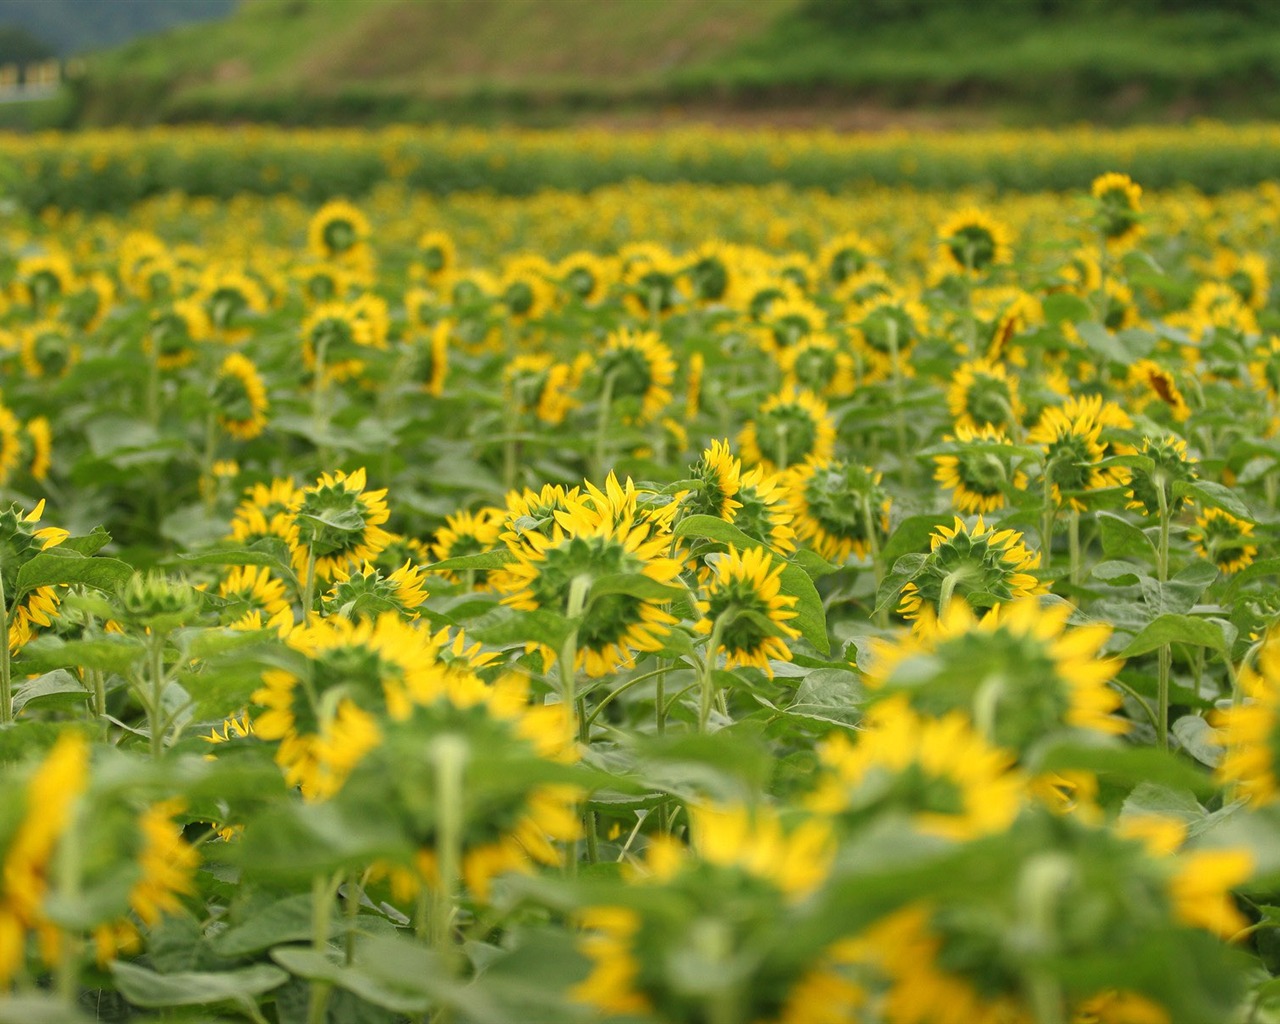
x,y
58,688
201,643
891,586
1170,629
481,560
1136,764
108,653
1121,539
1063,307
34,1009
146,988
912,536
1260,568
1199,739
233,556
286,920
634,584
714,528
539,626
1214,495
829,695
811,617
89,544
49,570
813,564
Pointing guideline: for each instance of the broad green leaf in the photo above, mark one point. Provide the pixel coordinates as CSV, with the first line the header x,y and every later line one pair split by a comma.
x,y
34,1009
146,988
912,535
634,584
811,617
1199,739
1214,495
1171,629
1136,764
58,688
714,528
537,626
111,652
482,560
1121,539
287,920
48,570
829,695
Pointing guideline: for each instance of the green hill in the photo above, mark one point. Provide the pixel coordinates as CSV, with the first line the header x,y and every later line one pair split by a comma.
x,y
309,61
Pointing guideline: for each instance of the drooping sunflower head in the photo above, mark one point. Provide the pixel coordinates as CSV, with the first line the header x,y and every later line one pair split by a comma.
x,y
818,365
175,332
336,230
711,271
791,427
1020,670
951,780
1153,383
230,299
840,508
1225,540
744,610
1151,490
719,475
240,398
557,572
765,513
469,533
367,593
844,257
652,276
535,512
1117,208
49,349
89,303
980,474
1073,449
525,289
264,511
636,370
983,394
428,358
44,280
338,522
323,282
972,242
979,564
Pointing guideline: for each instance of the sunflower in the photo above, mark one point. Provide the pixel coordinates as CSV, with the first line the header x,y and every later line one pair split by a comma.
x,y
337,231
1153,381
175,332
48,350
167,866
1246,272
437,256
979,564
693,386
538,384
652,279
951,779
240,398
252,594
765,513
1117,208
10,443
337,336
835,506
788,321
43,281
20,540
1150,490
979,474
744,610
468,533
719,475
367,593
972,242
323,282
535,511
264,511
338,523
1072,447
428,359
983,394
636,371
87,307
1010,312
1027,672
791,427
711,271
587,544
230,299
817,364
1265,369
44,811
885,329
41,437
1223,539
584,276
844,257
1249,732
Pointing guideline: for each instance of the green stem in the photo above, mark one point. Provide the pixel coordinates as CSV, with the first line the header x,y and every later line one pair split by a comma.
x,y
1073,538
352,906
905,465
657,672
449,754
1164,662
322,891
1142,702
6,669
208,480
877,562
309,586
156,681
602,427
67,979
588,817
709,666
320,407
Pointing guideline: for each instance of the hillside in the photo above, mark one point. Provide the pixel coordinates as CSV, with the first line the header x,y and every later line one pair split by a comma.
x,y
311,61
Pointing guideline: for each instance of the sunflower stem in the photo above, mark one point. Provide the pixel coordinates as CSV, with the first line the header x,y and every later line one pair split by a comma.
x,y
1073,538
877,561
153,383
351,904
319,408
1164,660
6,670
156,681
208,483
905,465
309,585
322,892
449,753
657,673
709,666
602,426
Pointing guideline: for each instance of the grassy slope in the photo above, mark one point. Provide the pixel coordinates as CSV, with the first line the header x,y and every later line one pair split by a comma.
x,y
312,59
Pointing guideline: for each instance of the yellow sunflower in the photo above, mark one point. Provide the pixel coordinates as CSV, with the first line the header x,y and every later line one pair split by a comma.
x,y
1154,382
983,394
791,427
338,522
1117,208
1223,539
1073,449
980,474
636,371
839,508
240,398
744,610
972,242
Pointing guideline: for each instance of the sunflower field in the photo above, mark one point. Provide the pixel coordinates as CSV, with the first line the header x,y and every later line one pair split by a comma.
x,y
662,602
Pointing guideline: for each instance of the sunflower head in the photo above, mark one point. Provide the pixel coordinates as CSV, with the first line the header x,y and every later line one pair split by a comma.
x,y
156,601
338,522
49,349
980,473
1073,449
336,230
978,563
844,257
791,427
1151,490
1153,383
718,473
437,254
1117,202
1225,540
1249,732
636,370
175,332
815,363
983,394
240,398
837,506
972,242
744,610
368,593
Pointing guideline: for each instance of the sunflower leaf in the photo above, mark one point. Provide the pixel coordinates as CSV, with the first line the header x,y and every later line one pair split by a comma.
x,y
811,616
